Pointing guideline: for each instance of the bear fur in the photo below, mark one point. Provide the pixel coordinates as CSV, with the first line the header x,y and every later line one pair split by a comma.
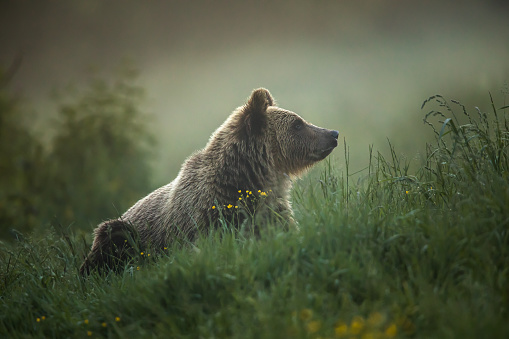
x,y
244,174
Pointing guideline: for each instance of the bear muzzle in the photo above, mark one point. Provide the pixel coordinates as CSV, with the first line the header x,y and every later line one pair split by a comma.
x,y
329,141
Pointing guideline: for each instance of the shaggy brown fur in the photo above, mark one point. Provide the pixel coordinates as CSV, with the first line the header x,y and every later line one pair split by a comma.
x,y
252,156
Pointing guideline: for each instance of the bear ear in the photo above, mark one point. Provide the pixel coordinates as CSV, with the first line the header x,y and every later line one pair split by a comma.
x,y
260,100
254,112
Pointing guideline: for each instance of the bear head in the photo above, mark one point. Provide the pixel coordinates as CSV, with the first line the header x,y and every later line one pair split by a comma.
x,y
295,144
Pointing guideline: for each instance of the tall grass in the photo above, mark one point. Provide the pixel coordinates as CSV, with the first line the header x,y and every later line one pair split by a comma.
x,y
381,253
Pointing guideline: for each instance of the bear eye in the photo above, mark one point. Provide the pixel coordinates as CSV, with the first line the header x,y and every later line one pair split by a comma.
x,y
298,125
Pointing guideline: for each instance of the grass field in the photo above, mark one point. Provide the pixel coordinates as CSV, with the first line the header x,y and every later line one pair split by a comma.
x,y
384,253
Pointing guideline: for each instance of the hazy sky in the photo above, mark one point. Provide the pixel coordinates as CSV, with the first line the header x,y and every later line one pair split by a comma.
x,y
361,67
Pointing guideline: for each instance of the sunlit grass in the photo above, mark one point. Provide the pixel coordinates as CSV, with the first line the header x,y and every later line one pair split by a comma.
x,y
383,253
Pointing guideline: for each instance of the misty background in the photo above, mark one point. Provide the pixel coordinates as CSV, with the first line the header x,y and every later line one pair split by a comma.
x,y
361,67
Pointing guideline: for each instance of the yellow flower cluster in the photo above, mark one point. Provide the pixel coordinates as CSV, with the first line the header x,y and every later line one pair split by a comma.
x,y
249,194
375,326
103,324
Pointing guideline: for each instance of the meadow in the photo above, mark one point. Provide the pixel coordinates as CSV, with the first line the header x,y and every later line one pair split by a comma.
x,y
391,251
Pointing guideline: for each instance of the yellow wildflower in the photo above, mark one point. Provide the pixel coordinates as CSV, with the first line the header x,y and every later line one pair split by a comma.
x,y
236,206
213,207
229,206
314,326
117,319
137,268
391,331
240,191
89,333
407,192
38,320
263,194
104,324
141,253
240,198
259,191
85,321
357,325
341,329
148,255
370,335
43,318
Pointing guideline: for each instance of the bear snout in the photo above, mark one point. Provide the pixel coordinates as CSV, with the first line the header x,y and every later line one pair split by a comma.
x,y
327,142
332,143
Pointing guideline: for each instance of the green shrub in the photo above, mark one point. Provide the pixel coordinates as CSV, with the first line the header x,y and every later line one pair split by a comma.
x,y
99,158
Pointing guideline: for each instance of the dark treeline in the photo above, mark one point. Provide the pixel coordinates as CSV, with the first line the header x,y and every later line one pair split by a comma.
x,y
96,164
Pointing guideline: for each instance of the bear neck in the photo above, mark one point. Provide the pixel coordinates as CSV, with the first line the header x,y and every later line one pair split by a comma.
x,y
240,165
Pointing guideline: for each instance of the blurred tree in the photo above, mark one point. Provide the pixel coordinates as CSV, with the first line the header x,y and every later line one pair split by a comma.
x,y
21,164
98,162
100,155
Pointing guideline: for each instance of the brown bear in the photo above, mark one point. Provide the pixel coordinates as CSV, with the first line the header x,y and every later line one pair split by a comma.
x,y
244,174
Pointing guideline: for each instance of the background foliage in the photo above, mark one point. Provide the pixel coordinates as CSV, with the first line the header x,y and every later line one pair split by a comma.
x,y
95,166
